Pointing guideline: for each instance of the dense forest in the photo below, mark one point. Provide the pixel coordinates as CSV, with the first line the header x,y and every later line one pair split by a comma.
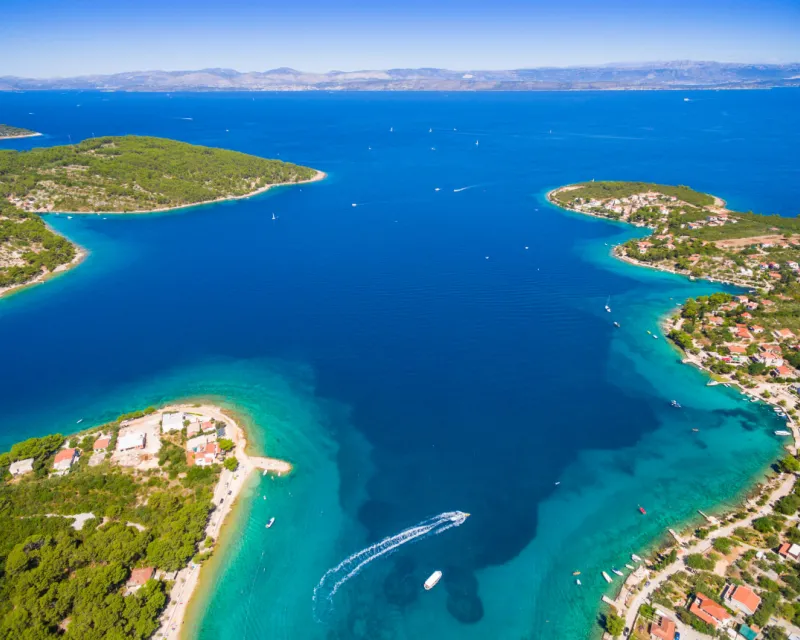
x,y
133,173
60,582
7,131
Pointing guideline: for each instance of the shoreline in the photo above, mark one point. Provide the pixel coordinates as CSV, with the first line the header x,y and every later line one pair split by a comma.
x,y
81,254
320,175
226,495
630,597
24,135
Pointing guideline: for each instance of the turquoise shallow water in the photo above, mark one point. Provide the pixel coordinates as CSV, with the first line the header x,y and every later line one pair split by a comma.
x,y
399,370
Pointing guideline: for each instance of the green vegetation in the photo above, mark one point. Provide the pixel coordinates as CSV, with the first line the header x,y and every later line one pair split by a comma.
x,y
614,624
611,189
59,582
121,174
7,131
133,173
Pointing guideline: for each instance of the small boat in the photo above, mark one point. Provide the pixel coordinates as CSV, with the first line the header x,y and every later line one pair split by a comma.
x,y
695,430
79,421
273,217
635,558
69,217
655,337
783,432
558,483
270,523
264,472
476,143
630,566
616,324
432,580
686,99
436,189
607,577
642,511
578,582
618,572
675,404
576,573
354,204
649,332
391,129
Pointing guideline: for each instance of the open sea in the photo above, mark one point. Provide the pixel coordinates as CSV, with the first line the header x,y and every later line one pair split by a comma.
x,y
422,352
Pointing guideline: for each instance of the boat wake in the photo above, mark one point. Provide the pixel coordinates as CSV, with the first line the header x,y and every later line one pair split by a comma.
x,y
352,565
465,188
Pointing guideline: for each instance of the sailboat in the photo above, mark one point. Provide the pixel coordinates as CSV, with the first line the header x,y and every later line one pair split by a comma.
x,y
273,217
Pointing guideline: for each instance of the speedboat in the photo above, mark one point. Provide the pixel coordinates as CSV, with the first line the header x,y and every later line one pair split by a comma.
x,y
642,511
635,558
270,523
630,566
783,432
432,580
675,404
578,582
607,577
616,324
576,573
618,572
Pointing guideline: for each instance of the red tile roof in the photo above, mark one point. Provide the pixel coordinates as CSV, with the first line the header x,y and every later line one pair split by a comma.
x,y
101,443
140,576
65,454
664,629
708,610
747,597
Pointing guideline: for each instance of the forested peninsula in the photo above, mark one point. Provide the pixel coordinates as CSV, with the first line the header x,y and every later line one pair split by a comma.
x,y
750,342
8,132
126,174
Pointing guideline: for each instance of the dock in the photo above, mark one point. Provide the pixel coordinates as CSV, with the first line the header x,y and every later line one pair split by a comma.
x,y
271,465
709,519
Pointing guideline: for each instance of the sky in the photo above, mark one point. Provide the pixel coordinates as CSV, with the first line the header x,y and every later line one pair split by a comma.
x,y
50,38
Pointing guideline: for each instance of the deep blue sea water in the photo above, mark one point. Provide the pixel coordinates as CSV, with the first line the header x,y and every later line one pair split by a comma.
x,y
410,355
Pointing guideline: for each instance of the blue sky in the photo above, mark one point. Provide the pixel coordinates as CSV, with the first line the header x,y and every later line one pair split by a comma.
x,y
45,38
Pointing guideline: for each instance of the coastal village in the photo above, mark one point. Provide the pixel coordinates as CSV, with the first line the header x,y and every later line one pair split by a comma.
x,y
736,576
193,452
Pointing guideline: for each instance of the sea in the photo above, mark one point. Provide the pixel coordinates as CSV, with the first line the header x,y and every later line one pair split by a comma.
x,y
418,334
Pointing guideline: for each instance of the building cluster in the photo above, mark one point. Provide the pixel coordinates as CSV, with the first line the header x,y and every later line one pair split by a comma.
x,y
625,207
137,440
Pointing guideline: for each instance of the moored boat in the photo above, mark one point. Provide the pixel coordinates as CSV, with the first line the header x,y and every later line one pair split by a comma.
x,y
635,558
607,577
432,580
783,432
618,572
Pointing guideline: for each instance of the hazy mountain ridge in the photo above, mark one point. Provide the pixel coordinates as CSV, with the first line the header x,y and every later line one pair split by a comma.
x,y
656,75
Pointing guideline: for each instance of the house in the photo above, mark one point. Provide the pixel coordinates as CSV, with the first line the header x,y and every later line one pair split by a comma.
x,y
747,316
199,443
208,455
644,246
131,441
742,598
101,444
171,422
774,275
139,577
715,320
782,372
768,304
192,429
663,628
741,332
709,611
21,467
208,426
783,334
742,299
64,459
756,329
789,550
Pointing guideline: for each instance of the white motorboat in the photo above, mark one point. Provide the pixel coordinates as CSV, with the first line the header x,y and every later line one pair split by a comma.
x,y
432,580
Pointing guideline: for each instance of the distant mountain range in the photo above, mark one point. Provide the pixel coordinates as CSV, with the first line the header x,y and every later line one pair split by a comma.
x,y
656,75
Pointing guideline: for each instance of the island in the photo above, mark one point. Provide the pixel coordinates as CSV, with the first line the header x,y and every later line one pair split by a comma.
x,y
739,572
127,174
7,132
103,533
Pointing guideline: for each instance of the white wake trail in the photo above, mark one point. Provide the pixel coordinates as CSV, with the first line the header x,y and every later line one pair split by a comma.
x,y
352,565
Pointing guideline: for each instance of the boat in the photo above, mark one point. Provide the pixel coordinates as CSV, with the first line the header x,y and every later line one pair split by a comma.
x,y
430,130
695,430
79,421
354,204
642,511
391,129
686,99
476,143
616,324
273,217
578,582
432,580
783,432
618,572
607,301
675,404
436,189
264,472
635,558
270,523
655,337
576,573
649,332
630,566
607,577
69,217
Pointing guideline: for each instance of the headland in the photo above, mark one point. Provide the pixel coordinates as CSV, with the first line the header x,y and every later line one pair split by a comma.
x,y
133,508
8,132
739,571
115,175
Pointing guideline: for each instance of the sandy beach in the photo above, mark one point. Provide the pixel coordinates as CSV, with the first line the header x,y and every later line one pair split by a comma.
x,y
80,255
320,175
226,493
